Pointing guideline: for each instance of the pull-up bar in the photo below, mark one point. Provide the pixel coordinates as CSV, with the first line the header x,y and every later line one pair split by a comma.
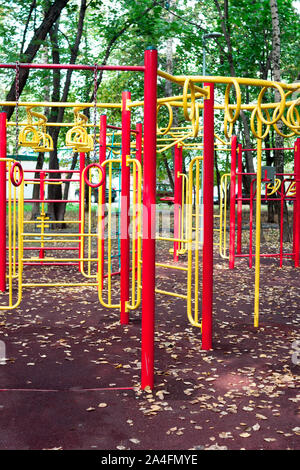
x,y
125,68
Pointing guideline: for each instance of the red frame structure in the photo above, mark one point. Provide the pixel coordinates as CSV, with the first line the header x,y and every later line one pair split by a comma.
x,y
236,204
2,202
177,197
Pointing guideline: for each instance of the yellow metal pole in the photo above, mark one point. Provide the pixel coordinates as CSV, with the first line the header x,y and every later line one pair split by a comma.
x,y
258,221
9,238
196,295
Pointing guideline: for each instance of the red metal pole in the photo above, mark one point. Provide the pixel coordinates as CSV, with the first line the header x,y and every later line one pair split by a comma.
x,y
125,207
297,204
295,200
102,158
81,188
149,226
281,223
177,198
2,202
251,224
208,217
138,156
232,201
240,202
42,198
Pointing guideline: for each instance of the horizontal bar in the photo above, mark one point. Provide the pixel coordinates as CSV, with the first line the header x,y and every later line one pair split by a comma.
x,y
61,235
35,248
271,148
171,239
59,104
47,264
60,259
52,221
118,128
51,200
162,265
265,255
126,68
254,174
56,180
71,284
51,171
48,241
172,294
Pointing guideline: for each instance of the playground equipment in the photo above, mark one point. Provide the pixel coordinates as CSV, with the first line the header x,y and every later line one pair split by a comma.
x,y
277,187
138,184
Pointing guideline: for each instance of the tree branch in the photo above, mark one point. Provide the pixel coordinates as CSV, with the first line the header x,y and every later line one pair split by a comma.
x,y
50,18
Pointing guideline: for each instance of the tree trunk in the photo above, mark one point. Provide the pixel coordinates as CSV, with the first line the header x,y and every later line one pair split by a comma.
x,y
57,210
39,36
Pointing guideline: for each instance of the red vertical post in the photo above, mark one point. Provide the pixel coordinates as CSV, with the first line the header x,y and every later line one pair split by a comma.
x,y
232,201
208,217
177,197
81,188
149,213
102,158
295,200
2,202
138,156
125,207
251,224
281,224
42,198
297,205
240,202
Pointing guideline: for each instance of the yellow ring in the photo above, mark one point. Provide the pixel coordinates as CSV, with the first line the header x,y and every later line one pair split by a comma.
x,y
188,116
252,124
281,104
195,121
285,122
290,117
228,134
169,107
228,112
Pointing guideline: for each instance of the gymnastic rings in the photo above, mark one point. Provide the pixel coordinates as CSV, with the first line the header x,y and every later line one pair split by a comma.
x,y
88,168
188,84
293,111
279,132
195,121
228,133
169,108
229,116
16,165
281,105
254,132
